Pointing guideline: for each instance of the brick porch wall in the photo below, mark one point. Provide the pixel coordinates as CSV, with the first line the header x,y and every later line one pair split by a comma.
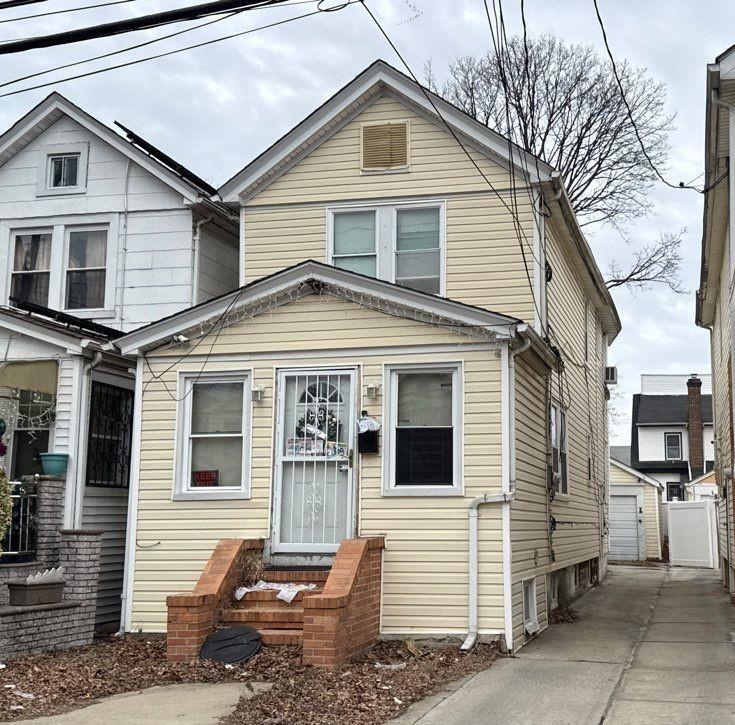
x,y
192,616
344,620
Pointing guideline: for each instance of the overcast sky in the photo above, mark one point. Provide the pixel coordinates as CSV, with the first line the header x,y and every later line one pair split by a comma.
x,y
215,108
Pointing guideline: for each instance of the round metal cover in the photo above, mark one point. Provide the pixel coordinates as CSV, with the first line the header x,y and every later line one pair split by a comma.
x,y
231,645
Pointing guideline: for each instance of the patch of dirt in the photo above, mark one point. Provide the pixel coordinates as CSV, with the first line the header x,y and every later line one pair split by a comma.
x,y
562,615
358,693
647,563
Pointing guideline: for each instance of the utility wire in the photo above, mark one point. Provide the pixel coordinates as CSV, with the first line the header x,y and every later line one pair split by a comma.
x,y
163,55
654,168
17,3
144,22
68,10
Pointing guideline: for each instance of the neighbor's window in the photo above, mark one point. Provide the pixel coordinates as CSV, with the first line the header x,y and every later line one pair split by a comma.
x,y
63,171
354,244
674,492
214,454
418,252
85,274
31,267
398,243
31,433
672,443
424,430
559,462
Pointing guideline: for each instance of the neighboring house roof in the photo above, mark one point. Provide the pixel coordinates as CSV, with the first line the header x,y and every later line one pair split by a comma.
x,y
706,478
669,410
621,454
379,78
54,106
56,328
635,472
311,277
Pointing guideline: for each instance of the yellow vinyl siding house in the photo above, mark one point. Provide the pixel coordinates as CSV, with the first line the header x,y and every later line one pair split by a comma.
x,y
423,296
715,295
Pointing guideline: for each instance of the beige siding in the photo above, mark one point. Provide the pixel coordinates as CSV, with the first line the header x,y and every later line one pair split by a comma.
x,y
426,571
651,498
287,222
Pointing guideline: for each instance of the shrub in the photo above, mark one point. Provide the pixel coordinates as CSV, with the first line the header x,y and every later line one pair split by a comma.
x,y
5,503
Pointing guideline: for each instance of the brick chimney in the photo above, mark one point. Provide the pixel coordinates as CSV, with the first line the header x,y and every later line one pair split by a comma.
x,y
695,425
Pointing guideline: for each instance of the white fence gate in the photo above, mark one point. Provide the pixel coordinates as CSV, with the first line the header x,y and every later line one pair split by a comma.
x,y
692,533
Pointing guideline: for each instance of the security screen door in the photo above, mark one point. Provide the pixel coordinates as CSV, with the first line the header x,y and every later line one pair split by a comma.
x,y
314,491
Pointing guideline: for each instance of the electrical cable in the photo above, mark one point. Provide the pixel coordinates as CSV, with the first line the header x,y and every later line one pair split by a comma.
x,y
162,55
68,10
18,3
144,22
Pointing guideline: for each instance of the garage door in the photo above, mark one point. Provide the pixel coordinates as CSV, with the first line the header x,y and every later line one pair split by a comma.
x,y
624,527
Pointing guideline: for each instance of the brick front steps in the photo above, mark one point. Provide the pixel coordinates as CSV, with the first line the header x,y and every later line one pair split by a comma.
x,y
334,622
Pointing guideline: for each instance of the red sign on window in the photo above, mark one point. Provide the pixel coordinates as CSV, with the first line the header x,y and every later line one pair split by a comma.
x,y
205,478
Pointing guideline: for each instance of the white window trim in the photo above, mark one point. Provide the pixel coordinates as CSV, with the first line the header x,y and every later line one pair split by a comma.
x,y
555,406
391,169
109,300
44,154
386,213
390,403
58,227
681,445
182,490
530,619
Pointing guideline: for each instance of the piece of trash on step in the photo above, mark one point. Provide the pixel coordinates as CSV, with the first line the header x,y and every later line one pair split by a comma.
x,y
397,701
9,687
24,695
17,707
287,591
396,666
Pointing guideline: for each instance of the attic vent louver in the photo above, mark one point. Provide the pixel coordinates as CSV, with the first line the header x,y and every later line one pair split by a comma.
x,y
384,146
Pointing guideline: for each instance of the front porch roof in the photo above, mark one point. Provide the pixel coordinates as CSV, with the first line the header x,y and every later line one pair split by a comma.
x,y
312,277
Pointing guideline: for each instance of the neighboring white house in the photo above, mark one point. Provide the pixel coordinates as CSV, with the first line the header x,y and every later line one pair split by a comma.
x,y
99,233
636,525
672,435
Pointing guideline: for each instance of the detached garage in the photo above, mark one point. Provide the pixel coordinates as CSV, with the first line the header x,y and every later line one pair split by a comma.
x,y
635,525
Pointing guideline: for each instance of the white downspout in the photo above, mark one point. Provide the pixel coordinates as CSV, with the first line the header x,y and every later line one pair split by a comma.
x,y
82,428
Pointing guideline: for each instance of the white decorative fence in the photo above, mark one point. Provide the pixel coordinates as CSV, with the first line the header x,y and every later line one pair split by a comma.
x,y
692,533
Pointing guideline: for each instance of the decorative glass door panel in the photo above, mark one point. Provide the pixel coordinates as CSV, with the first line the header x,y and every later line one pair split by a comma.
x,y
314,474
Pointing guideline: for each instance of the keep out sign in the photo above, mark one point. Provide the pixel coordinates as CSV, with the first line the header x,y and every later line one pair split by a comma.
x,y
205,478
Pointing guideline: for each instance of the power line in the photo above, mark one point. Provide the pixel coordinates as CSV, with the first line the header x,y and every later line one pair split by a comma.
x,y
163,55
68,10
654,168
17,3
144,22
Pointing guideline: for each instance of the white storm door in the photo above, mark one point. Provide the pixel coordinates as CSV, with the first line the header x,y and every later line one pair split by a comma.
x,y
314,476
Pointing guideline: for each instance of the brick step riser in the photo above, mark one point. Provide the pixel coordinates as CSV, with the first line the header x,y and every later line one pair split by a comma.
x,y
227,622
286,636
265,615
269,596
295,576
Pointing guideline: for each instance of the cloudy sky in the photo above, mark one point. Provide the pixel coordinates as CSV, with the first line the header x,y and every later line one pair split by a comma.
x,y
216,107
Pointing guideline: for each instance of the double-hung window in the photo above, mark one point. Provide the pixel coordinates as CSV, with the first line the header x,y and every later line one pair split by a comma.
x,y
401,243
31,267
672,443
86,269
424,430
355,241
559,457
63,171
214,438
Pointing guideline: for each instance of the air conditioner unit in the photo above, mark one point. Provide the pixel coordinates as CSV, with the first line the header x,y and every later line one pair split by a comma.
x,y
611,375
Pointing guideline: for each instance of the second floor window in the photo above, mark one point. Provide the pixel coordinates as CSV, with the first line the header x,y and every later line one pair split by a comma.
x,y
559,462
85,271
63,171
672,442
31,267
401,243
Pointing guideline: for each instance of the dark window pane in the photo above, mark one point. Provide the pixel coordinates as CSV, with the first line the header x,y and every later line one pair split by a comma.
x,y
31,287
71,165
424,456
85,290
27,444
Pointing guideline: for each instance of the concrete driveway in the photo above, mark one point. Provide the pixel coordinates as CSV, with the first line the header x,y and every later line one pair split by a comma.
x,y
650,646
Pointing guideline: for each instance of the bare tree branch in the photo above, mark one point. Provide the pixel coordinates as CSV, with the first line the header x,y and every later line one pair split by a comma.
x,y
562,104
656,263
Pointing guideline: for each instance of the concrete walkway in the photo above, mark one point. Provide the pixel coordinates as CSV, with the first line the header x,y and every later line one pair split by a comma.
x,y
650,646
194,704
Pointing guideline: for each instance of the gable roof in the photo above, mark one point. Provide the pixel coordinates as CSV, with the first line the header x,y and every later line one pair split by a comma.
x,y
312,277
668,410
634,472
54,106
621,454
347,102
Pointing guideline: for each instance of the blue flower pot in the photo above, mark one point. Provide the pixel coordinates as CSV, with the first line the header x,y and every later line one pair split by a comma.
x,y
54,464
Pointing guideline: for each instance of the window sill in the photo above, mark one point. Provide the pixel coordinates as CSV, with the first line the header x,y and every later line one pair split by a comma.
x,y
231,495
559,496
86,314
62,191
424,491
397,170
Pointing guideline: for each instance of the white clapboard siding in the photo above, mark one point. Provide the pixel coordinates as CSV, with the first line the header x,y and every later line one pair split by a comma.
x,y
218,264
106,509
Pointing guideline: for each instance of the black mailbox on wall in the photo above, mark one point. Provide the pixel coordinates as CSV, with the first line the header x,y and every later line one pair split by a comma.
x,y
368,434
